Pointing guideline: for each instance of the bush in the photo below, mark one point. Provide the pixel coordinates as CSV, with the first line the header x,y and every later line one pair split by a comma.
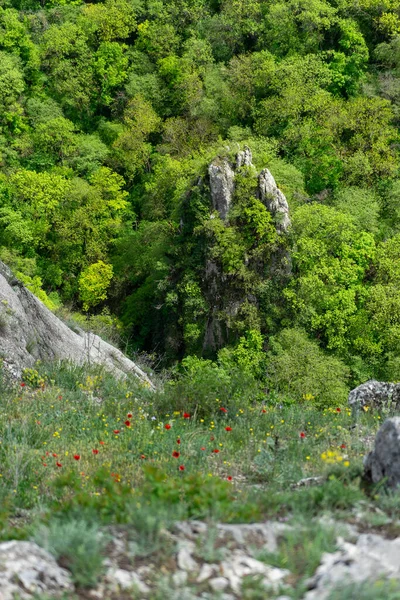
x,y
202,387
78,545
298,368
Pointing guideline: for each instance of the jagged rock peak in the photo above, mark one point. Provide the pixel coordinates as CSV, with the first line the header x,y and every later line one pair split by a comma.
x,y
29,331
244,158
274,200
222,186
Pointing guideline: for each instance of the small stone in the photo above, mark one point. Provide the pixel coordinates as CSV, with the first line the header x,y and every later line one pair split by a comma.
x,y
126,580
185,559
308,481
218,584
180,578
207,571
98,593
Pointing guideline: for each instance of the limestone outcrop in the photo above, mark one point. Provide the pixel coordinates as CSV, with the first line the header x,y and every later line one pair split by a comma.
x,y
371,558
28,571
274,200
383,463
375,394
29,331
222,187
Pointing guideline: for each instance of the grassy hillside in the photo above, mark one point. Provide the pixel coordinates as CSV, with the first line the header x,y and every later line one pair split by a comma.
x,y
81,452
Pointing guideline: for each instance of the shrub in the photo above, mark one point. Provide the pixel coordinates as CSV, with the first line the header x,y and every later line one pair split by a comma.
x,y
203,386
298,368
78,545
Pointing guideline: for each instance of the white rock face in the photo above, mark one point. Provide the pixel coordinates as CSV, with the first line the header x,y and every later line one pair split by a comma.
x,y
26,569
371,558
244,158
30,331
221,185
274,200
384,461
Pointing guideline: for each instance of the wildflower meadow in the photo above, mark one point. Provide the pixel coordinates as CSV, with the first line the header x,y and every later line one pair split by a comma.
x,y
77,444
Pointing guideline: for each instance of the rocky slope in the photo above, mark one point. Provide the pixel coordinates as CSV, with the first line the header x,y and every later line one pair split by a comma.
x,y
29,331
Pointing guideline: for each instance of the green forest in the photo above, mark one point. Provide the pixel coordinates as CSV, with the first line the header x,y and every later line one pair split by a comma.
x,y
111,114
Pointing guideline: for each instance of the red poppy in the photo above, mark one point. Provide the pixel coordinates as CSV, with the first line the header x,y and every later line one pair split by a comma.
x,y
212,438
215,450
58,464
60,397
186,415
142,456
176,454
95,451
44,464
127,423
222,409
178,441
202,448
229,478
37,422
338,410
181,467
302,434
116,431
102,443
77,456
167,426
47,453
54,454
22,384
263,410
129,415
228,428
343,446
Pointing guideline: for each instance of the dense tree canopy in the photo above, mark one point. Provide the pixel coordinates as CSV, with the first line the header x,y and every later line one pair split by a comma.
x,y
109,116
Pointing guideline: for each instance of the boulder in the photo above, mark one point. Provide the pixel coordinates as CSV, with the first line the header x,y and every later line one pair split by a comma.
x,y
29,331
384,461
28,571
375,394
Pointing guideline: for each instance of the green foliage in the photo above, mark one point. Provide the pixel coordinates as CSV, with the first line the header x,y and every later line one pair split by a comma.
x,y
80,546
301,549
361,204
331,259
380,589
110,115
94,283
297,368
203,386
